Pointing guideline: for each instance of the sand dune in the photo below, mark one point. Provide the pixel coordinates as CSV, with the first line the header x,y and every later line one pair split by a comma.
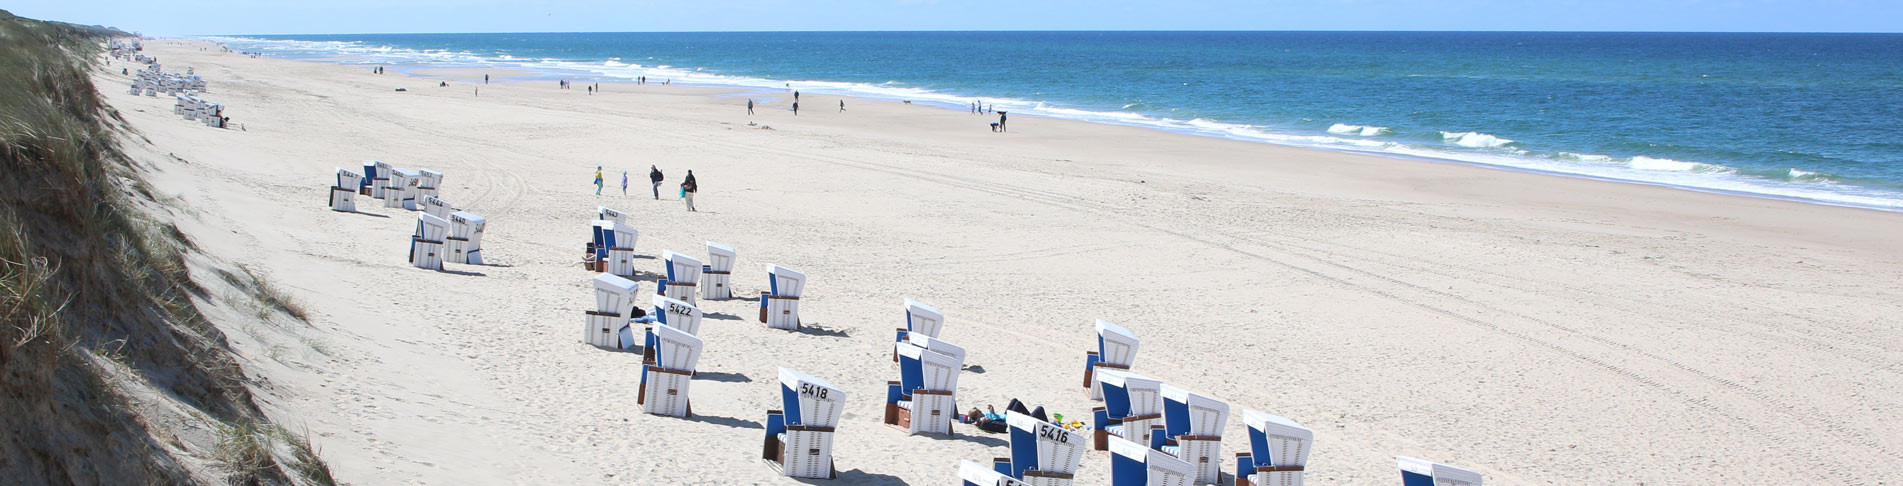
x,y
1541,330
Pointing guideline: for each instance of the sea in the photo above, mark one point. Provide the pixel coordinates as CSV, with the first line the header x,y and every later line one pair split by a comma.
x,y
1806,117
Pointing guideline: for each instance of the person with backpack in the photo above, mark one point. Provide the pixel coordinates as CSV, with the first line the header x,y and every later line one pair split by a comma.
x,y
689,186
654,175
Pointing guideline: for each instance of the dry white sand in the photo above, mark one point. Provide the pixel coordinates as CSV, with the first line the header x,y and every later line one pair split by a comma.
x,y
1542,330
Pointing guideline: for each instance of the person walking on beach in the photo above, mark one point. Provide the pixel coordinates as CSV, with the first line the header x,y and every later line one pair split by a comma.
x,y
624,183
688,187
654,174
842,106
485,79
749,106
796,108
597,180
1001,126
796,96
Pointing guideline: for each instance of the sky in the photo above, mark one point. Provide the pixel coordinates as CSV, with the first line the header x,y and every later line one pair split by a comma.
x,y
202,17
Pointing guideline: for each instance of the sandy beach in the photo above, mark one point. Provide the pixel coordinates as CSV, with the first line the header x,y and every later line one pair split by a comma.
x,y
1538,329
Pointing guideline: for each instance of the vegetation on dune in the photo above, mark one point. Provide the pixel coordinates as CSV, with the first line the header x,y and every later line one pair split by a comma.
x,y
94,290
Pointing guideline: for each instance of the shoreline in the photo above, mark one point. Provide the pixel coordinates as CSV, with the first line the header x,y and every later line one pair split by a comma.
x,y
1537,329
1716,184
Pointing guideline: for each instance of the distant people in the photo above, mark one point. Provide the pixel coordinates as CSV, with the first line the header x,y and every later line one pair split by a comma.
x,y
591,90
796,108
749,106
842,106
796,96
597,180
1001,126
689,186
624,183
485,79
442,84
654,175
478,92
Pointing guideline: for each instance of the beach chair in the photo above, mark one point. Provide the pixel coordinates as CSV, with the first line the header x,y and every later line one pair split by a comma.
x,y
426,245
715,275
614,299
465,237
673,313
666,375
683,275
780,306
1134,464
376,177
616,252
1042,453
799,438
427,184
1416,472
924,400
1278,451
435,207
1192,430
1132,403
401,192
974,474
921,319
603,213
1116,350
343,196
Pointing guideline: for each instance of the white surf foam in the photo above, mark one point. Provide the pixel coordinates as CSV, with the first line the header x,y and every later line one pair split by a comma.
x,y
1474,139
1359,130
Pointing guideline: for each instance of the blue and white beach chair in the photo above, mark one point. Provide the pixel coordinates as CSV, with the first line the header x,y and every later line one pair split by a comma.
x,y
924,400
799,439
1132,404
780,305
427,183
920,318
426,244
614,300
376,178
1116,350
1416,472
465,237
716,275
673,313
1133,464
665,375
616,248
683,275
343,196
402,190
1192,430
1278,451
974,474
1042,453
604,213
435,206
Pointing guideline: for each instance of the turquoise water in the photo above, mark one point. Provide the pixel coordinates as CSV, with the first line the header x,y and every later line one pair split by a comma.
x,y
1810,117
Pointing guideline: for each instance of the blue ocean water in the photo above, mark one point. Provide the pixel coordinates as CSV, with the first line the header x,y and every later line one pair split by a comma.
x,y
1803,116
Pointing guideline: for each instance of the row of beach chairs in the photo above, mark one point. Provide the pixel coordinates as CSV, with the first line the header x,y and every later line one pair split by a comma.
x,y
1154,433
442,233
193,108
